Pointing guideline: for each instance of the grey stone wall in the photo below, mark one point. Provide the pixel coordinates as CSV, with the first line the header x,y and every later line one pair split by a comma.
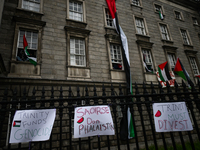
x,y
54,39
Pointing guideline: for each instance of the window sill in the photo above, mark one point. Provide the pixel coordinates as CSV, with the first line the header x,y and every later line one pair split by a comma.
x,y
179,19
23,62
78,72
76,23
116,70
197,25
141,37
111,28
167,42
137,6
30,11
188,46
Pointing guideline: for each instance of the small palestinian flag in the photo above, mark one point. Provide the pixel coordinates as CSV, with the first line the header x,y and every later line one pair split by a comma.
x,y
161,15
180,70
198,76
145,65
164,72
16,123
31,59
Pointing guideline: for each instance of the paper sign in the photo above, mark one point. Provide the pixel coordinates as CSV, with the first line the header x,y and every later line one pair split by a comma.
x,y
93,120
164,84
171,117
32,125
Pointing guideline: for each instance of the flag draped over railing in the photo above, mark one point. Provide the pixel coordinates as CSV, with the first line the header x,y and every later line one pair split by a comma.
x,y
125,54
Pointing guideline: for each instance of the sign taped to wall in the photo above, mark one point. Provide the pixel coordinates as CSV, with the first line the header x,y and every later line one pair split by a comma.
x,y
171,117
93,120
32,125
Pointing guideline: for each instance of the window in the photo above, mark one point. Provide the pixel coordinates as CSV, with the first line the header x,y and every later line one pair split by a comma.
x,y
116,57
77,52
148,59
178,15
164,32
172,60
139,22
75,10
185,37
195,22
33,5
109,20
32,40
136,2
158,8
194,65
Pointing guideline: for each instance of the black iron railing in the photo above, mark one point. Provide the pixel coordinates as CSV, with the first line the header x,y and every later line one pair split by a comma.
x,y
140,104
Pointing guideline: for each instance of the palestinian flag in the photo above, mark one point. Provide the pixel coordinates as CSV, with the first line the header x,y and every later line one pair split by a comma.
x,y
164,72
145,65
126,121
160,15
31,59
198,76
180,70
16,123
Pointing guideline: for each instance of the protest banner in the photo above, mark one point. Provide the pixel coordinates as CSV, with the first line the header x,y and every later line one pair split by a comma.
x,y
171,117
164,84
32,125
93,120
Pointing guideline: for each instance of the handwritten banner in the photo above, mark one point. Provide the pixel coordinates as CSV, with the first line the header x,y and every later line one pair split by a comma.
x,y
171,82
93,120
171,117
32,125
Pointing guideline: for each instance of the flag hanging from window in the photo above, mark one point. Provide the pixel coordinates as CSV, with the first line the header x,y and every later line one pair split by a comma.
x,y
160,15
164,72
126,121
31,59
180,70
145,65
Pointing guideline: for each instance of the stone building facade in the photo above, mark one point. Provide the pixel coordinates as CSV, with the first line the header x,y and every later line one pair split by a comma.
x,y
76,44
76,41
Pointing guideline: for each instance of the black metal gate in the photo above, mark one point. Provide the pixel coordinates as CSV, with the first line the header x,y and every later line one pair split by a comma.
x,y
140,104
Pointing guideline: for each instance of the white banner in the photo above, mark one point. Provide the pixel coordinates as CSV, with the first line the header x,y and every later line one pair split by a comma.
x,y
93,120
32,125
171,117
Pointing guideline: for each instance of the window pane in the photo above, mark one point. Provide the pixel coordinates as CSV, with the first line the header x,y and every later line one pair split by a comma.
x,y
76,11
140,26
116,57
77,52
148,60
31,5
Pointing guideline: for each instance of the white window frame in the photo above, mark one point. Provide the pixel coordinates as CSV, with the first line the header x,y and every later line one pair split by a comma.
x,y
158,9
108,18
30,43
185,37
76,55
140,26
195,21
148,58
172,60
136,2
194,65
178,15
164,32
116,55
82,2
40,10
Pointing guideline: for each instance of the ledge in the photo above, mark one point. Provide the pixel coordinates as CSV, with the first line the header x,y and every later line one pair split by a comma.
x,y
143,37
168,47
30,11
29,21
144,44
188,46
75,23
136,6
75,29
190,52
